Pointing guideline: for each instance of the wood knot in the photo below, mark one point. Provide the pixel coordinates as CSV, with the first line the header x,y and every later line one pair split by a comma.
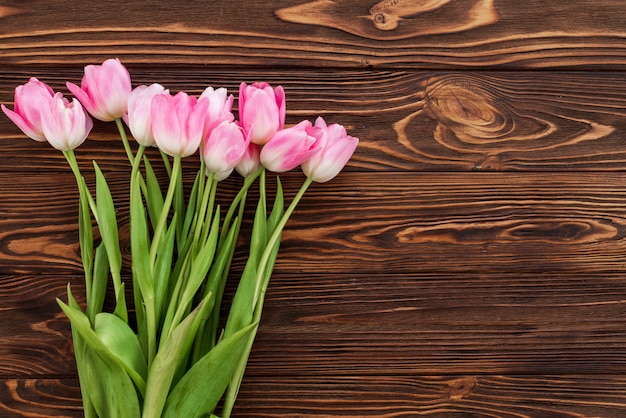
x,y
461,388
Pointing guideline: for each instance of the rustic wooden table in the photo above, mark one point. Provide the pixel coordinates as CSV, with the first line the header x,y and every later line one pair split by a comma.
x,y
470,261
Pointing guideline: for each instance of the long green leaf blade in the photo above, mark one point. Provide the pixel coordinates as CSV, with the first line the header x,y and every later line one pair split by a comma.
x,y
199,391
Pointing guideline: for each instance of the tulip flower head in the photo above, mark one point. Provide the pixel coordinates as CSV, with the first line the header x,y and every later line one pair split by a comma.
x,y
30,99
139,116
178,123
104,90
251,160
290,147
336,148
66,124
220,108
225,147
261,110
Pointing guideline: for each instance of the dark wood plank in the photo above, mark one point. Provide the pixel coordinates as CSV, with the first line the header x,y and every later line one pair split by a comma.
x,y
436,396
34,333
319,33
361,325
40,398
400,222
407,121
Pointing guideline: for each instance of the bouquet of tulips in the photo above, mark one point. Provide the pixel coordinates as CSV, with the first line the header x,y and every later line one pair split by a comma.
x,y
174,357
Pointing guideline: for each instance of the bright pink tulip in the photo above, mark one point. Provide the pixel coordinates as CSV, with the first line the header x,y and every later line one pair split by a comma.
x,y
251,160
30,99
261,110
66,124
178,123
291,146
336,148
104,90
225,147
220,108
139,116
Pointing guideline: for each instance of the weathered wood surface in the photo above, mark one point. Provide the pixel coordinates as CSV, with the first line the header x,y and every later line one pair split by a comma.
x,y
469,262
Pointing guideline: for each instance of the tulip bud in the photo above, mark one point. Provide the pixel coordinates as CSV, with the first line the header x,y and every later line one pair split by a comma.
x,y
104,90
139,114
220,108
178,123
224,148
30,99
261,110
66,124
336,148
290,147
251,160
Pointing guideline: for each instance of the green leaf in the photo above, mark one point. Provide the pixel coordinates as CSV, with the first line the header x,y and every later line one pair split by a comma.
x,y
172,355
85,234
110,389
122,342
99,287
215,285
79,348
240,314
94,343
278,209
107,223
153,195
163,270
199,269
120,305
190,214
199,391
139,242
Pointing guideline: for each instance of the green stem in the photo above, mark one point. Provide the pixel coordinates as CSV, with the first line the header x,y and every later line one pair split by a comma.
x,y
262,281
248,181
80,180
127,148
208,194
158,233
261,273
84,224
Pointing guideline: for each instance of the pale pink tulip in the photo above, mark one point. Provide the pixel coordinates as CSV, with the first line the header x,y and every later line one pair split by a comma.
x,y
220,108
336,148
290,147
66,124
178,123
139,116
30,99
261,110
225,147
104,90
251,160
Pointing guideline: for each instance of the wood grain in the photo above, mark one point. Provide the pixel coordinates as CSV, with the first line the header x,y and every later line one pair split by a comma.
x,y
436,396
407,121
445,222
470,260
319,33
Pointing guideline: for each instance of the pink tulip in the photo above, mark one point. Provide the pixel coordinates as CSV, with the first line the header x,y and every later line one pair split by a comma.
x,y
139,117
220,108
30,99
261,110
65,124
251,160
178,123
290,147
336,148
225,147
104,90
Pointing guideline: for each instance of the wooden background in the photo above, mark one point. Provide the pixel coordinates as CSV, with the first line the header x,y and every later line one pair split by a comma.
x,y
470,260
